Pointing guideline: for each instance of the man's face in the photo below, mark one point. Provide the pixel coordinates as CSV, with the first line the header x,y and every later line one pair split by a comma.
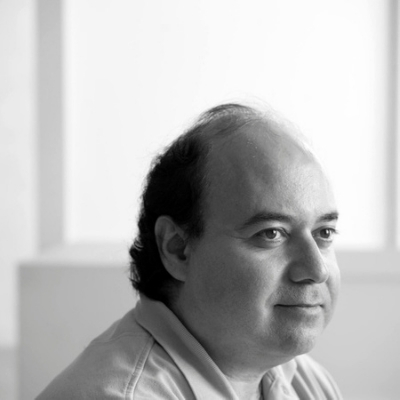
x,y
263,276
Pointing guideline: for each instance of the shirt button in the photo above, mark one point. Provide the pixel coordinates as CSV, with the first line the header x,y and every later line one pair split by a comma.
x,y
285,390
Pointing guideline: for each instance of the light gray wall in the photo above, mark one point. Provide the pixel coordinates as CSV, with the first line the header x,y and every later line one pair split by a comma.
x,y
68,296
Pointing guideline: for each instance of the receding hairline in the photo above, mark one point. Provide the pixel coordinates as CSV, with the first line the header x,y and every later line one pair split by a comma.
x,y
225,121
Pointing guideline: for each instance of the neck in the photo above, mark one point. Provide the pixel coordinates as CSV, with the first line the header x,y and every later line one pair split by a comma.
x,y
235,357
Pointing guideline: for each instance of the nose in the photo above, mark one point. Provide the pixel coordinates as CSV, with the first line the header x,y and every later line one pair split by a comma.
x,y
308,265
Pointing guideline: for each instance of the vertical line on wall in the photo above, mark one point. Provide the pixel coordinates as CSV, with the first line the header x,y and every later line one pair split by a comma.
x,y
50,122
392,141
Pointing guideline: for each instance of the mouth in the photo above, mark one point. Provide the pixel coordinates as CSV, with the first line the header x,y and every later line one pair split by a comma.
x,y
300,310
299,305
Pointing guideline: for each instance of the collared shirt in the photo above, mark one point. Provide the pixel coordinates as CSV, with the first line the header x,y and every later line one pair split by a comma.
x,y
149,354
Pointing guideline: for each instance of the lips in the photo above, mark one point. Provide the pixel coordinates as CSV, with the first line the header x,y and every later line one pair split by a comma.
x,y
300,305
309,299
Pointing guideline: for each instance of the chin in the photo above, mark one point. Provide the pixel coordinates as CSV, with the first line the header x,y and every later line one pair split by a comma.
x,y
298,341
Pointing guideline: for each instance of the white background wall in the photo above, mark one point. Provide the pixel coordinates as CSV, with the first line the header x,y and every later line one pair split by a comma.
x,y
136,72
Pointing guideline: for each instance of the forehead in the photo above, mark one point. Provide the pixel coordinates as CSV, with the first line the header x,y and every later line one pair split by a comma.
x,y
259,170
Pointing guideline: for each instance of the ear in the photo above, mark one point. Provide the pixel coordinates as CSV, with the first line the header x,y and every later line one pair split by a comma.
x,y
172,247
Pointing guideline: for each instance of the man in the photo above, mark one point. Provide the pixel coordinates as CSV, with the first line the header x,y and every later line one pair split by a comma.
x,y
235,268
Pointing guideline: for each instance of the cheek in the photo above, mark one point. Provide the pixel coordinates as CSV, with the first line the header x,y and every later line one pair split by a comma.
x,y
334,284
220,280
231,276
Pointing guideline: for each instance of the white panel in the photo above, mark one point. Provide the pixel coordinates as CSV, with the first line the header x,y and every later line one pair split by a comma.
x,y
18,229
397,137
138,71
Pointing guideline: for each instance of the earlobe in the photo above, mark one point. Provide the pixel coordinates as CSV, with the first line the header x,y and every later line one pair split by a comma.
x,y
171,246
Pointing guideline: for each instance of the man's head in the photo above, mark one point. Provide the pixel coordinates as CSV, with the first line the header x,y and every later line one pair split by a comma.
x,y
176,186
258,273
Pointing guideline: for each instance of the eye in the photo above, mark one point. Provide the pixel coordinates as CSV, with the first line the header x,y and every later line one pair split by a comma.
x,y
326,234
271,234
269,238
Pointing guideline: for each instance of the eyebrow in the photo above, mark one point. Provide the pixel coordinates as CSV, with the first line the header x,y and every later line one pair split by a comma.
x,y
272,216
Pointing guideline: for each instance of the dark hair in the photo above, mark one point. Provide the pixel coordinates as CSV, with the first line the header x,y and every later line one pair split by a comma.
x,y
176,186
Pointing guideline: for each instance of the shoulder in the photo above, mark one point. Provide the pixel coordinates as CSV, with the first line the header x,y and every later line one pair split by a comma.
x,y
122,363
311,379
